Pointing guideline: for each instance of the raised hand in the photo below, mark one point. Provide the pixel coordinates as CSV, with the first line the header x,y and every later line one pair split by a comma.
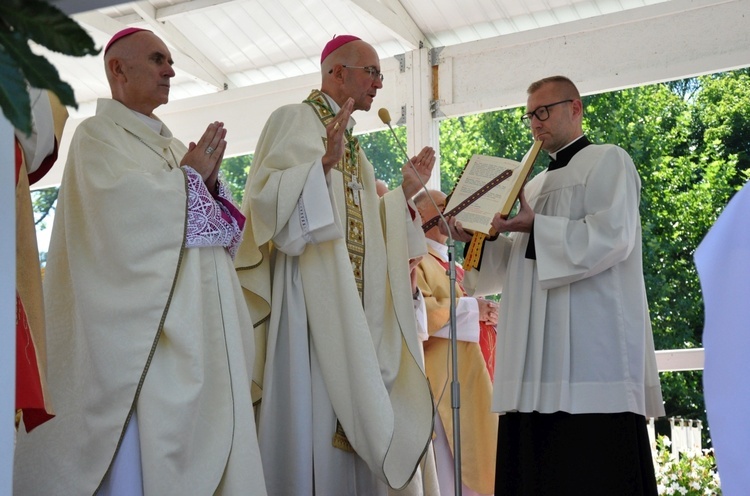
x,y
423,164
336,140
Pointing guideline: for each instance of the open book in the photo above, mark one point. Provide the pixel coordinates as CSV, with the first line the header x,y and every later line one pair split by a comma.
x,y
487,185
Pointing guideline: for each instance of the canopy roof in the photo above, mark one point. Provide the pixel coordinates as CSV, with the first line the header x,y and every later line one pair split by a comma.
x,y
237,60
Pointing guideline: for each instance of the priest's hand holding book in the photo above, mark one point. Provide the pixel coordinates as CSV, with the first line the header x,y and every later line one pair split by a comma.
x,y
457,232
523,221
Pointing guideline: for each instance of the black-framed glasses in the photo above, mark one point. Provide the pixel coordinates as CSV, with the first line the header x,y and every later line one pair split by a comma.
x,y
372,71
541,113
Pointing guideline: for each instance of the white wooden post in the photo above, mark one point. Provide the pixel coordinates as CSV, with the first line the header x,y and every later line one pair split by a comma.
x,y
421,129
696,441
651,428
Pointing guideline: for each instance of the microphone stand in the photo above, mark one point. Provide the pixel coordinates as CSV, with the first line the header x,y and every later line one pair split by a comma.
x,y
455,385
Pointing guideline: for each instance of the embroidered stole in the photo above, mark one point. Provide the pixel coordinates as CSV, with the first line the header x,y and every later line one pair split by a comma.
x,y
350,172
355,228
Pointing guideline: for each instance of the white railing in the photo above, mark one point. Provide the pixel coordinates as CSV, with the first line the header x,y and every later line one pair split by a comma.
x,y
680,360
685,434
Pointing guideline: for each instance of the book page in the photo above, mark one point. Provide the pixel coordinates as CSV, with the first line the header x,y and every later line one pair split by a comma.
x,y
480,170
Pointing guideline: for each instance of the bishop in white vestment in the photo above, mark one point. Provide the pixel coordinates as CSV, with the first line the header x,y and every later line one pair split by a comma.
x,y
149,338
346,409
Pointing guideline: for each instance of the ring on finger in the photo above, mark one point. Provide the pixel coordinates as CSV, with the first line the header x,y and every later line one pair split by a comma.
x,y
209,150
336,126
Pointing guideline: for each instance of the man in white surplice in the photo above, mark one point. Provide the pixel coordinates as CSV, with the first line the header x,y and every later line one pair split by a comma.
x,y
575,353
346,408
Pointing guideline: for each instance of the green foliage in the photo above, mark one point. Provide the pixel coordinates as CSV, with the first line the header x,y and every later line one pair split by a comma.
x,y
498,133
721,119
43,203
689,173
234,172
687,474
36,20
385,155
14,99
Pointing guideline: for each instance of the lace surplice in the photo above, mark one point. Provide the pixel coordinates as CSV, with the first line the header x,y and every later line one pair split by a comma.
x,y
213,220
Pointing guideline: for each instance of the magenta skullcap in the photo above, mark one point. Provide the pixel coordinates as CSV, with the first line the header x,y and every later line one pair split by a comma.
x,y
336,43
122,34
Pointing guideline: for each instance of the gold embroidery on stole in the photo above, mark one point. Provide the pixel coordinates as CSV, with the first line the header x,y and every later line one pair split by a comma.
x,y
355,227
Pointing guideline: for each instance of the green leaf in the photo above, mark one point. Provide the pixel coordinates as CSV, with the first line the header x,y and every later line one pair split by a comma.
x,y
47,25
36,69
14,98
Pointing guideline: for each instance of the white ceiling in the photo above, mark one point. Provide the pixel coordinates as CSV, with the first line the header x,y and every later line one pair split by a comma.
x,y
221,44
237,60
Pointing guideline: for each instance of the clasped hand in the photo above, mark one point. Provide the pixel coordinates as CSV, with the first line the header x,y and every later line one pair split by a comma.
x,y
206,155
488,311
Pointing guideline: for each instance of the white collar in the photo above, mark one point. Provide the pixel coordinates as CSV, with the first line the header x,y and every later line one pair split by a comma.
x,y
155,124
440,248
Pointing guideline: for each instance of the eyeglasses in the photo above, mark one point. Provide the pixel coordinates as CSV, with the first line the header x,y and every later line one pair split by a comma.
x,y
541,113
372,71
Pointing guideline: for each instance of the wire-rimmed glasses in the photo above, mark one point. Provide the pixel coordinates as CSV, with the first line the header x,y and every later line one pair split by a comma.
x,y
373,71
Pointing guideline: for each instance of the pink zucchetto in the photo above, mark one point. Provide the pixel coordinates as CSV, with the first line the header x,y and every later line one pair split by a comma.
x,y
122,34
336,43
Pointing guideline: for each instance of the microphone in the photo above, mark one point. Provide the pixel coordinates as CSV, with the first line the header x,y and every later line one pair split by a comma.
x,y
385,116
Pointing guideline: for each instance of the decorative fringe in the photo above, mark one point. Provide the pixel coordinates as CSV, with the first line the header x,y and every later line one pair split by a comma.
x,y
471,260
340,441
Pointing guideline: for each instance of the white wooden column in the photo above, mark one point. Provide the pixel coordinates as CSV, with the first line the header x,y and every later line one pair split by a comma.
x,y
7,305
421,129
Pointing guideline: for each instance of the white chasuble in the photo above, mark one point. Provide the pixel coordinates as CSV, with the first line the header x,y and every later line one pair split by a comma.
x,y
342,342
138,323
